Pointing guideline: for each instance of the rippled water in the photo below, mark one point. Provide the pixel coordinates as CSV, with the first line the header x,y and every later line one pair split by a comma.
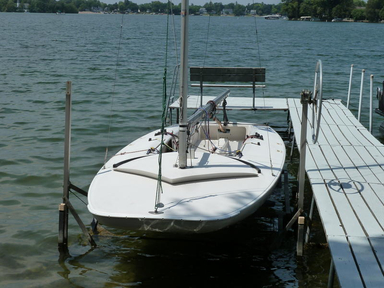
x,y
118,79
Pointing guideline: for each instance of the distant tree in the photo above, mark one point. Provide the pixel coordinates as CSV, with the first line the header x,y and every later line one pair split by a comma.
x,y
132,6
239,10
306,8
194,9
122,7
373,10
70,8
158,7
209,7
145,7
218,7
359,3
10,6
358,14
229,6
291,8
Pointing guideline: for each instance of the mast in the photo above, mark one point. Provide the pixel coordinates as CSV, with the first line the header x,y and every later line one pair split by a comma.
x,y
183,121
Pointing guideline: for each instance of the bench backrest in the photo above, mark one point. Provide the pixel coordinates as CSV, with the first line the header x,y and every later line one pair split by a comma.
x,y
227,74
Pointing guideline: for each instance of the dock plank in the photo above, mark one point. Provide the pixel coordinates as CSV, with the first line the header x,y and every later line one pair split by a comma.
x,y
348,165
378,189
368,265
334,162
321,162
362,211
372,163
345,211
328,134
347,272
374,203
360,165
377,244
367,135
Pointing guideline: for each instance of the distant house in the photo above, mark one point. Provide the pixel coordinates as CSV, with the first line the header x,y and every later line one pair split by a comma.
x,y
227,11
203,11
305,18
253,12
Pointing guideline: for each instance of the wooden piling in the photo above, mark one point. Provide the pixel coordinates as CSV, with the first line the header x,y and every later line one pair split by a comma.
x,y
63,209
66,206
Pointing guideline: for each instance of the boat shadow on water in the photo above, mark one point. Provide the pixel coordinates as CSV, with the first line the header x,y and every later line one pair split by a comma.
x,y
237,256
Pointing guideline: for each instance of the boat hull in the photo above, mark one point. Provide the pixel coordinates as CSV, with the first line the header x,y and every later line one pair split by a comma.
x,y
216,190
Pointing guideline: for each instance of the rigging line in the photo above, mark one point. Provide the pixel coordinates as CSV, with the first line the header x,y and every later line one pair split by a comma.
x,y
159,188
77,196
113,90
206,42
257,37
269,149
174,34
176,69
257,42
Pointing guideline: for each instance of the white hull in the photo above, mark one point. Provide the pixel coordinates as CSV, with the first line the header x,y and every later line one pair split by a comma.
x,y
215,190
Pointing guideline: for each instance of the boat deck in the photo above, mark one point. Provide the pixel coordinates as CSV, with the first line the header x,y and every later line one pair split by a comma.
x,y
346,171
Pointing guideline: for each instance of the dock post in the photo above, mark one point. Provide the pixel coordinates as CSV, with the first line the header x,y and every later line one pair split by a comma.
x,y
310,217
300,236
305,100
350,86
331,277
63,209
286,193
361,94
371,104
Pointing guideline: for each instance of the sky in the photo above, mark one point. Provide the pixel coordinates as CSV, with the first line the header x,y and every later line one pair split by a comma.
x,y
200,2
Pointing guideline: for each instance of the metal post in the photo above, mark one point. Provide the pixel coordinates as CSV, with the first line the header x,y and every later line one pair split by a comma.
x,y
286,193
361,94
183,86
350,86
310,216
305,99
292,147
63,209
331,277
371,104
300,236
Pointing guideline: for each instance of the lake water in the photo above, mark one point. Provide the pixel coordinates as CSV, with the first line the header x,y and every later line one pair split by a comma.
x,y
116,67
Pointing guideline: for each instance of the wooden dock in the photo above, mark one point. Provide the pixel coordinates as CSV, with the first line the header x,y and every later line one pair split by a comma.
x,y
346,171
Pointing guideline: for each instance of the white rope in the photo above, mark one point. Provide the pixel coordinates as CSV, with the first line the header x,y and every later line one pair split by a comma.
x,y
113,92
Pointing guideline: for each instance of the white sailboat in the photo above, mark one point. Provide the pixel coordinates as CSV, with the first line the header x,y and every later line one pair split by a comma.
x,y
197,176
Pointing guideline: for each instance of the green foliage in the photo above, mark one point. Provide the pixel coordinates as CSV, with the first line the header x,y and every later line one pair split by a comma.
x,y
239,10
374,10
358,14
329,9
294,9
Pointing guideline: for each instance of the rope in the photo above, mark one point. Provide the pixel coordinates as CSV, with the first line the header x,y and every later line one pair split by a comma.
x,y
257,37
257,41
74,194
113,92
159,188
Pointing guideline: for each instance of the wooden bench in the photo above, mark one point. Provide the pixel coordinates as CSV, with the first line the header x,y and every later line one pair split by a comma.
x,y
227,74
